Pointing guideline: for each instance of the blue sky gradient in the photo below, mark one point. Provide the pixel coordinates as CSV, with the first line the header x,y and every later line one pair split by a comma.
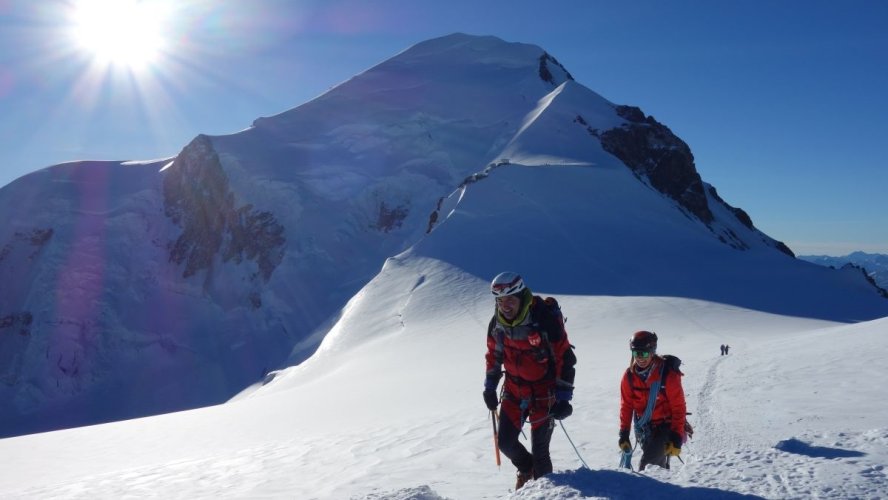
x,y
782,103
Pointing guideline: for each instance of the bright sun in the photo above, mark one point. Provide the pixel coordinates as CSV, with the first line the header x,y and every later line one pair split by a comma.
x,y
120,32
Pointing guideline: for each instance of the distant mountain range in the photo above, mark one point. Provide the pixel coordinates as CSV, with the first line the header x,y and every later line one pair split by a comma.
x,y
876,264
136,288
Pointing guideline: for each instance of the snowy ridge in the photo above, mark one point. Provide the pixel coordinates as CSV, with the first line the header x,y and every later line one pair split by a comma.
x,y
876,265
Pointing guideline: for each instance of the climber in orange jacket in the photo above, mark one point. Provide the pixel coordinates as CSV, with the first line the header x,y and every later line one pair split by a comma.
x,y
663,432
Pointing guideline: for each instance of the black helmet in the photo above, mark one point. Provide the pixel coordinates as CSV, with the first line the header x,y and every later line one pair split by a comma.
x,y
643,341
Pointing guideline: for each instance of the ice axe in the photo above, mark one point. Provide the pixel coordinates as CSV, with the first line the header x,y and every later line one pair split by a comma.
x,y
495,437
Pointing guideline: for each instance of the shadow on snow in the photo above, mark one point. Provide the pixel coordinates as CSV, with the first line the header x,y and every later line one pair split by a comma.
x,y
616,484
801,448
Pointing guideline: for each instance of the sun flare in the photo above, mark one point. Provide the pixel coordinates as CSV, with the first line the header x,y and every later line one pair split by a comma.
x,y
128,33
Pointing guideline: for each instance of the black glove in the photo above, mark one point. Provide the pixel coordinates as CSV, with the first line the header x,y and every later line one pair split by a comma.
x,y
675,438
490,399
492,380
561,409
624,442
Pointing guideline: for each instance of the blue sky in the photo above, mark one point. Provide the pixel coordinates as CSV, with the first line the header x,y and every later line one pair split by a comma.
x,y
782,103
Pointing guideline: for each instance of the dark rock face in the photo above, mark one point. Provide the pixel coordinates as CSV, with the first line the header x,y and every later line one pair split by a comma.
x,y
15,336
658,156
255,236
17,323
36,238
746,220
652,151
546,73
390,217
198,199
869,278
17,257
739,213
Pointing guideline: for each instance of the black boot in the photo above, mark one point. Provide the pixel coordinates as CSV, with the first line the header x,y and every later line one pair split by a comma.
x,y
523,477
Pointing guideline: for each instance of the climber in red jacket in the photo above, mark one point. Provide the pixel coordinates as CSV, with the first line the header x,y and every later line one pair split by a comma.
x,y
660,430
526,339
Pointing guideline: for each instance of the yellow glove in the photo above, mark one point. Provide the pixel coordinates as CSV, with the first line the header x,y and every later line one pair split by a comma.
x,y
624,443
673,446
672,451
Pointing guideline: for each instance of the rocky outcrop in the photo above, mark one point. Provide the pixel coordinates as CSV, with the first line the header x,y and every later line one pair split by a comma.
x,y
654,153
197,198
16,323
390,217
546,73
15,337
660,158
739,213
37,238
746,220
867,276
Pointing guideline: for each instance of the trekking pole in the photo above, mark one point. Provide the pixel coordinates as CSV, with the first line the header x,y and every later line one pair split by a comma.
x,y
495,437
569,440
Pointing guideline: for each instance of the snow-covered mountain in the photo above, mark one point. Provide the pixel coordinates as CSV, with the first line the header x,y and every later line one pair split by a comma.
x,y
390,407
875,264
135,288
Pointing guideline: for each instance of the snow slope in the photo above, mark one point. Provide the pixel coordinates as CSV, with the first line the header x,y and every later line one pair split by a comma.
x,y
390,405
391,408
200,273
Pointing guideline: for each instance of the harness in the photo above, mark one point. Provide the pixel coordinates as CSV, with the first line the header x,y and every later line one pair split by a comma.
x,y
548,397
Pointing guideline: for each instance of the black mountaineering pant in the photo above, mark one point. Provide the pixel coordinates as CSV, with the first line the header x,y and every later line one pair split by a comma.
x,y
539,461
654,447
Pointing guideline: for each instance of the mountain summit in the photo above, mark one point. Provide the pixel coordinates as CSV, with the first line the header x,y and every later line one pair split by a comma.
x,y
134,288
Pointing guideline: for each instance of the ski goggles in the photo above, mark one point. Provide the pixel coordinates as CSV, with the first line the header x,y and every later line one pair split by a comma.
x,y
641,354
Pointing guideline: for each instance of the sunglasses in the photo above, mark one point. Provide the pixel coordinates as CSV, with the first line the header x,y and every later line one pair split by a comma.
x,y
641,354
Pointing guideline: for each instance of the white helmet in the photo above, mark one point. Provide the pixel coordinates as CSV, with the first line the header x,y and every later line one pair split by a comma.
x,y
507,283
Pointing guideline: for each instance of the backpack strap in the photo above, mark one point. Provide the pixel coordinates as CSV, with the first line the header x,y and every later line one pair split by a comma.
x,y
498,333
546,314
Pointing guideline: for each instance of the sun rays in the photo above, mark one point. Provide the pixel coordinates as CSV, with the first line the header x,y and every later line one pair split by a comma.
x,y
125,33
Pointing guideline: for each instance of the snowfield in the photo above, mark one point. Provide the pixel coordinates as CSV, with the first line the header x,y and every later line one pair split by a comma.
x,y
390,408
